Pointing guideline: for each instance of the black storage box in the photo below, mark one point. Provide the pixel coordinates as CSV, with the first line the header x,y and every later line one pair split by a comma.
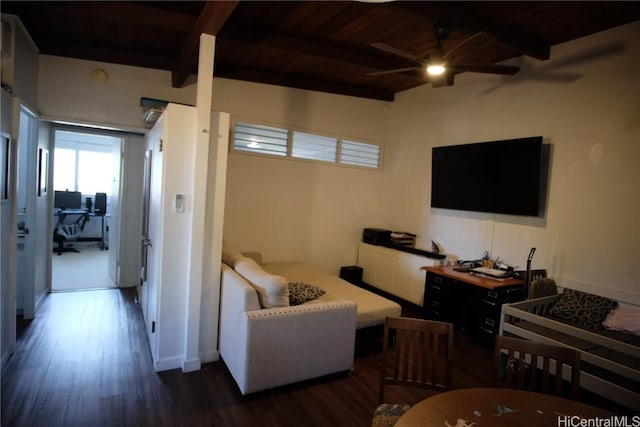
x,y
352,274
376,236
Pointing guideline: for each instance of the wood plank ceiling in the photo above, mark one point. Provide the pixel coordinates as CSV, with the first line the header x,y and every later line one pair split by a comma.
x,y
316,45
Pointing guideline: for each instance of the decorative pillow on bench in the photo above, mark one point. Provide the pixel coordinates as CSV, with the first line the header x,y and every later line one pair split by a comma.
x,y
273,291
582,309
299,293
229,254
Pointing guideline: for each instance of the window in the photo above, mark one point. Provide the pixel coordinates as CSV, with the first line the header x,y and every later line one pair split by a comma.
x,y
88,172
64,169
275,141
260,139
360,153
84,162
95,172
314,147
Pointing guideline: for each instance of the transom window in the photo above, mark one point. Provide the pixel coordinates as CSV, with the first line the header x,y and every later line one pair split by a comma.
x,y
283,142
314,147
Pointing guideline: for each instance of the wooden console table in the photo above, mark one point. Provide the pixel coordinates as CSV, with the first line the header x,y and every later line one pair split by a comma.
x,y
472,302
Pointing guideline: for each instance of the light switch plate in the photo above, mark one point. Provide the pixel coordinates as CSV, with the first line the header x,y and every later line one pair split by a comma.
x,y
179,203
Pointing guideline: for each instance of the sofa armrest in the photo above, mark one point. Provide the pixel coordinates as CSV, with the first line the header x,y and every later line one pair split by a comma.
x,y
284,345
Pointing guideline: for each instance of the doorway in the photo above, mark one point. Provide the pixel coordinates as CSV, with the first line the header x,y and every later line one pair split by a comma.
x,y
86,183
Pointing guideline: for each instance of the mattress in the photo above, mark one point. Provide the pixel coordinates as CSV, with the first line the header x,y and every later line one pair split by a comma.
x,y
372,308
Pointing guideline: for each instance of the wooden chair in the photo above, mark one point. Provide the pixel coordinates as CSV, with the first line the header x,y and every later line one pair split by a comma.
x,y
416,353
534,366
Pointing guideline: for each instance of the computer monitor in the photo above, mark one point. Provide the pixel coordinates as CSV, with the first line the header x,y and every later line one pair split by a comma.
x,y
67,200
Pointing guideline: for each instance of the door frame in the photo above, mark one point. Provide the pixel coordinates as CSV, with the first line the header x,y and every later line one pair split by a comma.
x,y
27,194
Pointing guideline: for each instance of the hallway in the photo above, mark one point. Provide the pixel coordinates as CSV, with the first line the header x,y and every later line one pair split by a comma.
x,y
83,360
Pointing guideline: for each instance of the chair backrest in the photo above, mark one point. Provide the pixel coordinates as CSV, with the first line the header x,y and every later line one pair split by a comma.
x,y
534,366
416,353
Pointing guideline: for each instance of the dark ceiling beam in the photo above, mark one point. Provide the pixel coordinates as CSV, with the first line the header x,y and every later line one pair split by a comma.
x,y
213,16
235,72
101,54
123,12
460,16
309,48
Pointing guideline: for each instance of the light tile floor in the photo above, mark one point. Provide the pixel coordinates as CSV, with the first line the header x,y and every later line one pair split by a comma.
x,y
87,269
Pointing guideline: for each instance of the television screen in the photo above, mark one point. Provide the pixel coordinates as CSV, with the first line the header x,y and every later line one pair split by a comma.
x,y
494,176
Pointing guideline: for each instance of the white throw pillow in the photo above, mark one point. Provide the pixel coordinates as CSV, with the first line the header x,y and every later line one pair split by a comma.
x,y
229,254
273,291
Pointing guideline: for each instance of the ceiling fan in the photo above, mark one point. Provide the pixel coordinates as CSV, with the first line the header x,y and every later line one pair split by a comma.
x,y
440,66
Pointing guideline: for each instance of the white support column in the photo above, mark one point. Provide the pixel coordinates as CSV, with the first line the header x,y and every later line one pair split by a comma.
x,y
191,360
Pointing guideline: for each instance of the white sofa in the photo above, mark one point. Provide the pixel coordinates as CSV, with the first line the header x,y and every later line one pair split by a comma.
x,y
270,347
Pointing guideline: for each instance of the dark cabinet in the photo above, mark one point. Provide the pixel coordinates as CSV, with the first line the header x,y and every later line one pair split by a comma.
x,y
488,309
473,304
438,298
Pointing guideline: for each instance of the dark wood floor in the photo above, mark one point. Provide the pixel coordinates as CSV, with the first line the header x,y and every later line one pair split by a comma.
x,y
85,361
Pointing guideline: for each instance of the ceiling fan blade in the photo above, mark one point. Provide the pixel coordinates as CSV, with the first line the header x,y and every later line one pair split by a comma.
x,y
401,53
487,68
468,45
397,70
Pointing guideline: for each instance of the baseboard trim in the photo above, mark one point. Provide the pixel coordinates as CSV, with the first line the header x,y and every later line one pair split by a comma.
x,y
210,356
167,364
191,365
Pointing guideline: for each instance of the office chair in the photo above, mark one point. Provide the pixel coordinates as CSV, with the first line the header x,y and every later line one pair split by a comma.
x,y
68,233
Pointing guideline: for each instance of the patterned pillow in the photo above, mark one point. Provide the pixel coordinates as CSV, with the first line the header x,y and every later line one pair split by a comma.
x,y
583,309
302,292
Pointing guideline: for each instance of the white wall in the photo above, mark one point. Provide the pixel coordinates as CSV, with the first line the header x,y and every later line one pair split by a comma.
x,y
19,61
317,204
590,236
297,210
588,239
67,91
8,237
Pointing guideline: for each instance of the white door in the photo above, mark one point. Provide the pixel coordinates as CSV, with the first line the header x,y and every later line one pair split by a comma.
x,y
145,244
151,243
8,178
26,214
112,220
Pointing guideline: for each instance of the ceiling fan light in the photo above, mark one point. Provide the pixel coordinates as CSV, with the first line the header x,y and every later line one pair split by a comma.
x,y
436,69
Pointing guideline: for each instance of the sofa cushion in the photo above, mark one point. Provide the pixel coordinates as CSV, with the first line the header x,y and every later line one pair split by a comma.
x,y
582,309
300,293
229,254
273,290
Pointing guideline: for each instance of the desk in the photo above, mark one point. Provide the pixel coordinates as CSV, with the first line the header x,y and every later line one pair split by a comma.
x,y
480,406
471,302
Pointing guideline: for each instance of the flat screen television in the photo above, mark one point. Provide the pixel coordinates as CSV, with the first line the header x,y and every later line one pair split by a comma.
x,y
494,176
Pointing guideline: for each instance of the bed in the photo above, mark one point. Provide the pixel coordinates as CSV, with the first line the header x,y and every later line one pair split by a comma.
x,y
372,308
610,359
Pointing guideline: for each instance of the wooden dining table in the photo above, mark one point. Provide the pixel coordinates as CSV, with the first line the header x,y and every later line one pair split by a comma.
x,y
480,407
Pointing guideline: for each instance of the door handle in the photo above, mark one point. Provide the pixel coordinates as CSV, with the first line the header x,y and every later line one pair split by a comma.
x,y
146,242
